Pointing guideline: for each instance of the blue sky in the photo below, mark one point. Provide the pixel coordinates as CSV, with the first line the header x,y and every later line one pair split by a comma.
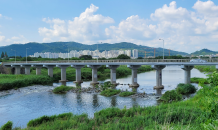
x,y
185,25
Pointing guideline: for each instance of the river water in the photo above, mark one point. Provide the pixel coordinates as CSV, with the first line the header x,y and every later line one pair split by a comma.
x,y
28,103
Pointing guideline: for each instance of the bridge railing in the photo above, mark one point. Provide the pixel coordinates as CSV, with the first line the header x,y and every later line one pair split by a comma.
x,y
111,61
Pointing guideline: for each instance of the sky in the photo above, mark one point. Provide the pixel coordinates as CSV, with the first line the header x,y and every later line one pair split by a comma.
x,y
184,25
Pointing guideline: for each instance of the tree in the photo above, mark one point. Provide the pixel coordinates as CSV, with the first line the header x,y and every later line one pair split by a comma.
x,y
39,57
2,55
139,58
123,56
85,57
6,55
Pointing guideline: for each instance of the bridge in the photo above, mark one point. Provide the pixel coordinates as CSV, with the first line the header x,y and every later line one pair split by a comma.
x,y
157,64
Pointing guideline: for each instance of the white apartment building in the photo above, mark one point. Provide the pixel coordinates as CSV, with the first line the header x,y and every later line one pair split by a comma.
x,y
135,53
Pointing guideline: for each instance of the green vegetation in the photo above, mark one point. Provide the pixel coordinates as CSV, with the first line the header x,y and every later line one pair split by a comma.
x,y
185,88
7,126
85,57
127,93
17,81
197,80
207,68
45,119
62,89
171,96
197,113
123,56
110,92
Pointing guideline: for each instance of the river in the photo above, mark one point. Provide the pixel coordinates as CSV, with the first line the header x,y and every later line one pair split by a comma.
x,y
31,102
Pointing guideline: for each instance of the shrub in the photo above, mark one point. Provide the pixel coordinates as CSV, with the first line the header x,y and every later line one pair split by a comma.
x,y
125,94
62,89
7,126
185,88
110,92
170,96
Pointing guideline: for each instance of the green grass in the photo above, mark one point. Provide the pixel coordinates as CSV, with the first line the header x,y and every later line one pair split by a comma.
x,y
62,89
171,96
207,68
110,92
127,93
197,80
16,81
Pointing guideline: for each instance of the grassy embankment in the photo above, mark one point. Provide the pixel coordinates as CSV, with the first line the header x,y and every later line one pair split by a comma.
x,y
199,112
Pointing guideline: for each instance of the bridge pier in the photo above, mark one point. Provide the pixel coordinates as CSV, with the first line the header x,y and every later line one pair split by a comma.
x,y
27,69
187,69
113,73
17,69
94,74
134,75
38,69
63,80
50,69
158,69
78,73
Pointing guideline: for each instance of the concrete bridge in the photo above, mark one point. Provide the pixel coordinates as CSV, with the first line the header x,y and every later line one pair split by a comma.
x,y
112,64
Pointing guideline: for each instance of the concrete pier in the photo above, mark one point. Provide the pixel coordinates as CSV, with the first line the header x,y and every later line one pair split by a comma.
x,y
27,69
50,69
78,73
113,73
94,74
38,69
63,74
134,75
158,69
17,69
187,69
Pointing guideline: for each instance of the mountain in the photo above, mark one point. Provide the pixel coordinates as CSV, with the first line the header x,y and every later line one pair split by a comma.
x,y
64,46
203,52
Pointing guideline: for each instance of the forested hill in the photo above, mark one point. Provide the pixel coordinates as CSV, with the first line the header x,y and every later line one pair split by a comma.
x,y
64,46
204,52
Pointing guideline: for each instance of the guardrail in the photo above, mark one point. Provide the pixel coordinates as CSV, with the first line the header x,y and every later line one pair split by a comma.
x,y
111,61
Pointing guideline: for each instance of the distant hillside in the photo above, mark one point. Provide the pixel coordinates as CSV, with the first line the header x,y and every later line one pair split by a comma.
x,y
63,47
204,52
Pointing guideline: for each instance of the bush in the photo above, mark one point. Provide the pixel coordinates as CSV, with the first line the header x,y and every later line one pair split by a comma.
x,y
185,88
170,96
62,89
125,94
110,92
7,126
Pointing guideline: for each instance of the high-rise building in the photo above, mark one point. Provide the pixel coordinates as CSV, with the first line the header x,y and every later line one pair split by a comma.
x,y
135,53
128,53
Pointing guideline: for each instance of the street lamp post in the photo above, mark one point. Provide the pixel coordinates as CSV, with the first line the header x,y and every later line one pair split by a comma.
x,y
15,54
163,47
26,54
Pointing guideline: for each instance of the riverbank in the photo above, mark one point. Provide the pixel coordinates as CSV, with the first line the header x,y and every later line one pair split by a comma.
x,y
199,112
204,68
8,81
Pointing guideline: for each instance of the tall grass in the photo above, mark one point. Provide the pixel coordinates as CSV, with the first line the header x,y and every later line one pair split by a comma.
x,y
16,81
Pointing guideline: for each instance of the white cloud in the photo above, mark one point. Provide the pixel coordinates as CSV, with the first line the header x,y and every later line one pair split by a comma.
x,y
182,29
86,28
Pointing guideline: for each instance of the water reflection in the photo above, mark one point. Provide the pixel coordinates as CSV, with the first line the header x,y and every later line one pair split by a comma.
x,y
159,92
35,101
